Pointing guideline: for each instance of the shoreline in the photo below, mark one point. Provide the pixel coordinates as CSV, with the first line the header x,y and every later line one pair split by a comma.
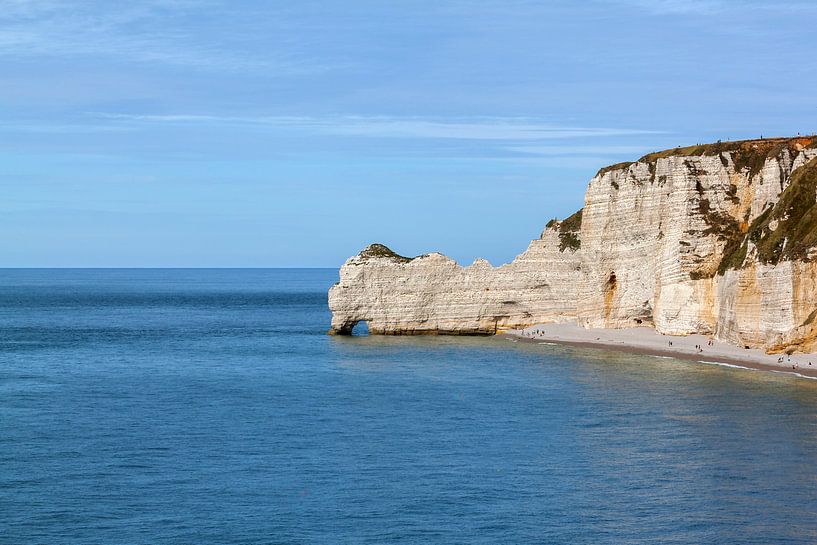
x,y
646,341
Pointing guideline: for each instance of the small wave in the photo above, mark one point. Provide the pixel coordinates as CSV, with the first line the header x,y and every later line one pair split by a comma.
x,y
663,357
722,364
550,344
781,371
793,373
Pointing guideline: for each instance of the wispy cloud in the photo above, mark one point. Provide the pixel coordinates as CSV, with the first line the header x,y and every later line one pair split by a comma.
x,y
711,7
666,7
152,32
494,128
59,128
577,150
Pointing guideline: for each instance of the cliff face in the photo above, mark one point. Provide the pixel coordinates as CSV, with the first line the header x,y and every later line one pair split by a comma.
x,y
716,239
432,294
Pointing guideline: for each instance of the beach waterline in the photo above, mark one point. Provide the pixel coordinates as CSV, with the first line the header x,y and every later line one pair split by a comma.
x,y
646,341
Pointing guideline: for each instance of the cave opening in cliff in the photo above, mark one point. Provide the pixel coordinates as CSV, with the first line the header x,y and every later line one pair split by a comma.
x,y
611,281
360,329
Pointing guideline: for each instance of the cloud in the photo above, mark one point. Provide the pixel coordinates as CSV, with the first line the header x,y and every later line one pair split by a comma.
x,y
59,128
711,7
498,129
667,7
494,128
578,150
152,32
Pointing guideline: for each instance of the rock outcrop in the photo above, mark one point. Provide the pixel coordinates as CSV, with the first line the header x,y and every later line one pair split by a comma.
x,y
432,294
716,239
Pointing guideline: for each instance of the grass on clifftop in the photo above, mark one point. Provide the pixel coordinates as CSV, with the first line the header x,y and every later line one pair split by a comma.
x,y
617,166
751,154
383,251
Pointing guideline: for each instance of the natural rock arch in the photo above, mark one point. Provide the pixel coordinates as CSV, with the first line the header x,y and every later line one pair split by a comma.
x,y
352,327
360,329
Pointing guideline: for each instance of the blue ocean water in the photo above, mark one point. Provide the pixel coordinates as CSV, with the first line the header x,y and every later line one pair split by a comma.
x,y
210,407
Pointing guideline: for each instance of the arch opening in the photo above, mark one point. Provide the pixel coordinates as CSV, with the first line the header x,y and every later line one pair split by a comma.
x,y
360,329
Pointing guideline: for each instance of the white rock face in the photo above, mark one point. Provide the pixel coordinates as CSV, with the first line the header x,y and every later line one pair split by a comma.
x,y
771,307
665,241
433,294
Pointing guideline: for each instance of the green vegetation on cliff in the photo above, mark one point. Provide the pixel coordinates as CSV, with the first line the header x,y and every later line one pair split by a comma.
x,y
617,166
569,232
746,154
795,219
785,231
751,154
383,251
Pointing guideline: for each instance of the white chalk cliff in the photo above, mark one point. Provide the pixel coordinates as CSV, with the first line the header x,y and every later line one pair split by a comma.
x,y
718,239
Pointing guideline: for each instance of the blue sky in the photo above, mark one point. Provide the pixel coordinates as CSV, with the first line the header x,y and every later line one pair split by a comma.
x,y
254,134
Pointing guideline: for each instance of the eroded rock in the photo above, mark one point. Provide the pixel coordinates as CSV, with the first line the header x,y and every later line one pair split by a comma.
x,y
716,239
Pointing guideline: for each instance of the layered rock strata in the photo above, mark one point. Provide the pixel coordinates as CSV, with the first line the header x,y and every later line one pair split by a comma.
x,y
432,294
716,239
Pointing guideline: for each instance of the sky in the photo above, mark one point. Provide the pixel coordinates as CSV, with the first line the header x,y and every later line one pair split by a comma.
x,y
206,133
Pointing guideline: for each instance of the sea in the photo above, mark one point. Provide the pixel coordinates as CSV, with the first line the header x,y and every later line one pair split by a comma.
x,y
209,406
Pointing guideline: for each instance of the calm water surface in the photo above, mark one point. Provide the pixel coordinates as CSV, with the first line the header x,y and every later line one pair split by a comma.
x,y
209,406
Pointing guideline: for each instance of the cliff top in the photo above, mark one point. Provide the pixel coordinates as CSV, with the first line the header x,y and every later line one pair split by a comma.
x,y
750,154
382,251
